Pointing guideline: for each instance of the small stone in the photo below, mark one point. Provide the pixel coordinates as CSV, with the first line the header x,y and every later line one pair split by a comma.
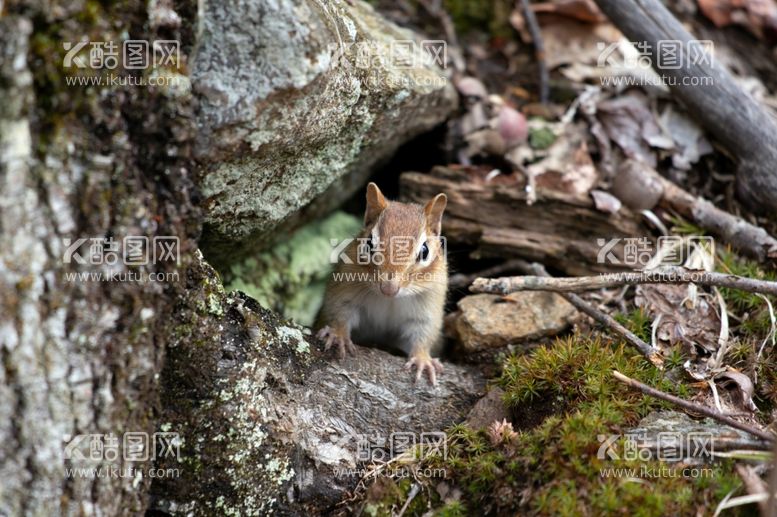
x,y
487,321
471,87
636,186
487,410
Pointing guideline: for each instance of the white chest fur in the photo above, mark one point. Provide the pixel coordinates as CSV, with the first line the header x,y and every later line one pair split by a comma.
x,y
388,321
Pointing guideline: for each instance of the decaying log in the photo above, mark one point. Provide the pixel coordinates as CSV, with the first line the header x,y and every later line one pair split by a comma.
x,y
272,424
707,89
560,230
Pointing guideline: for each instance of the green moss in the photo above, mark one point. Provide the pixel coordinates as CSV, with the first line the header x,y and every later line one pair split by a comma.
x,y
386,496
491,15
541,138
291,277
553,468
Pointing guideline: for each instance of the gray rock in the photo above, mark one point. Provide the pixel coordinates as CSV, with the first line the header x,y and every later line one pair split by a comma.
x,y
311,94
489,409
674,436
487,321
272,424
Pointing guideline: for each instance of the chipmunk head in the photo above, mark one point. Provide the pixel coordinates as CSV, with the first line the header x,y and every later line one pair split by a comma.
x,y
403,243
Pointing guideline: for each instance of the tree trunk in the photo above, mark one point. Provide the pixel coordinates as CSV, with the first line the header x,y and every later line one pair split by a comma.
x,y
742,125
80,356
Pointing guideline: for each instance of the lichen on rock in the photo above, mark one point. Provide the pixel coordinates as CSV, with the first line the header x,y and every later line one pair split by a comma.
x,y
291,277
311,94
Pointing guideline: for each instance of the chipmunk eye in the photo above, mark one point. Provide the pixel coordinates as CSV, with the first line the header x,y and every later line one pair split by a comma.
x,y
424,253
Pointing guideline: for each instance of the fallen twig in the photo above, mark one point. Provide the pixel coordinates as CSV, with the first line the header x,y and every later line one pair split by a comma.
x,y
662,275
693,407
742,124
749,239
539,49
753,484
460,280
605,319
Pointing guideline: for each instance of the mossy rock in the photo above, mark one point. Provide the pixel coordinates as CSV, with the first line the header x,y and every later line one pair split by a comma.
x,y
291,277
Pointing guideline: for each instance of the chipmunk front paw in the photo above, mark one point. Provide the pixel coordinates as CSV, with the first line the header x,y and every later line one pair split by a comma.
x,y
425,363
331,337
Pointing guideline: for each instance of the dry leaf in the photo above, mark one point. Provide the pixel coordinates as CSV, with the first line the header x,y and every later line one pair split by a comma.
x,y
694,327
568,166
630,123
740,387
583,10
605,202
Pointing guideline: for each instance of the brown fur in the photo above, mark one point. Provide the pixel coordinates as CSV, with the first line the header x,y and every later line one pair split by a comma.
x,y
412,318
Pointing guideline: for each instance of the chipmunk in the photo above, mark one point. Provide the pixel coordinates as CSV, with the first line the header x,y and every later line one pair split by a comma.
x,y
390,285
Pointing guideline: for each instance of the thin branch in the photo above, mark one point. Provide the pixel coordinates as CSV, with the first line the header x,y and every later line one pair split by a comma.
x,y
436,10
603,318
751,240
539,49
663,275
693,407
461,280
753,484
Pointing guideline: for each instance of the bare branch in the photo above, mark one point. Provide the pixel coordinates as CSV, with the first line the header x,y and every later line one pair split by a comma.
x,y
586,308
539,48
663,275
693,407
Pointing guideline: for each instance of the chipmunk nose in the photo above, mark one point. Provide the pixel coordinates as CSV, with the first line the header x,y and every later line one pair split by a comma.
x,y
389,287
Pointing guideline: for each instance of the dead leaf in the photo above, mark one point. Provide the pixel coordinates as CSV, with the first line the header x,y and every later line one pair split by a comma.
x,y
740,387
689,141
583,10
630,123
696,328
755,15
471,87
568,166
569,41
605,202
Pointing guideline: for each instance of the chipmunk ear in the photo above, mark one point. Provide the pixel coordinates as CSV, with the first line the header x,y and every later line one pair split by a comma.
x,y
376,203
433,212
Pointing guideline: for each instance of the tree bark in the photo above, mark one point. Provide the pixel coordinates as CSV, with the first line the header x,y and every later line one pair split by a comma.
x,y
79,356
743,126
